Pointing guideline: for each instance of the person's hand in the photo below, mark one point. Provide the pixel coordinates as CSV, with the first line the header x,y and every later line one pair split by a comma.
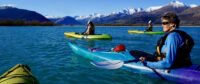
x,y
142,59
112,49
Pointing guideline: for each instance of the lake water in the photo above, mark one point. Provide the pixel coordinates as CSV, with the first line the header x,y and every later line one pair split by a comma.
x,y
45,51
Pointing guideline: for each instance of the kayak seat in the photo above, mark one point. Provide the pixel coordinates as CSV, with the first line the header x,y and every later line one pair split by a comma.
x,y
137,54
95,49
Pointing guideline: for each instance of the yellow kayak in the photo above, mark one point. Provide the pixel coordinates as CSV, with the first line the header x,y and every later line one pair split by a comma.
x,y
145,32
19,74
80,36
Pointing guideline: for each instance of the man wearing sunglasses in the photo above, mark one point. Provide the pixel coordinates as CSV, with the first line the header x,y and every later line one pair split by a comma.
x,y
173,49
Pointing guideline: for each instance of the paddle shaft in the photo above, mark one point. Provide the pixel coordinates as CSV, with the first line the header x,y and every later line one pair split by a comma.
x,y
129,61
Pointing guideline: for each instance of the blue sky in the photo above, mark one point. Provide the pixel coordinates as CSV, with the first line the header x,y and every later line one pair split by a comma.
x,y
85,7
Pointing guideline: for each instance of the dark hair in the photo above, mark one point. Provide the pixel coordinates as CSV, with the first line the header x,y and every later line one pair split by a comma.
x,y
172,17
91,23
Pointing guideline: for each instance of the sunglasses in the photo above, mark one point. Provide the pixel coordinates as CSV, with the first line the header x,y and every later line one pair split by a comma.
x,y
164,23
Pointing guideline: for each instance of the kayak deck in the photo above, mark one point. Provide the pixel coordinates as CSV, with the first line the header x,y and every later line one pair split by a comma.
x,y
19,74
183,75
80,36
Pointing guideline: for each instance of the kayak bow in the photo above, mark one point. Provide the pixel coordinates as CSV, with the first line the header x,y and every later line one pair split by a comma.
x,y
19,74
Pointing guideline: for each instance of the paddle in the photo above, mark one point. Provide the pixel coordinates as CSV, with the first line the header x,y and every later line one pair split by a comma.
x,y
115,64
111,64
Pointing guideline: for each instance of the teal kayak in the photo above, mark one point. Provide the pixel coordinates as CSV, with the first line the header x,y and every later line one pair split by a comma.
x,y
182,75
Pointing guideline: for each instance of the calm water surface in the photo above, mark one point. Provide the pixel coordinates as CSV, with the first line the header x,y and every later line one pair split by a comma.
x,y
51,60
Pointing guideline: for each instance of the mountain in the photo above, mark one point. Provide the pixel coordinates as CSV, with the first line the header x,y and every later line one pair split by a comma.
x,y
175,7
67,21
53,18
188,14
154,13
8,12
153,8
84,19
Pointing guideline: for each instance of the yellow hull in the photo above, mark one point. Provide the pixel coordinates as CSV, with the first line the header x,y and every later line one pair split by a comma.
x,y
19,74
143,32
80,36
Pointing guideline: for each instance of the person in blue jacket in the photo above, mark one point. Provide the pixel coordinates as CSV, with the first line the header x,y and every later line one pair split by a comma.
x,y
173,49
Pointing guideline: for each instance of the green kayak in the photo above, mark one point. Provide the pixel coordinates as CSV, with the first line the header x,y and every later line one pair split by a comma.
x,y
143,32
19,74
80,36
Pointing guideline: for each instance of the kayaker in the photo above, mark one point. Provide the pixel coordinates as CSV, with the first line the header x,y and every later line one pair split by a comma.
x,y
90,29
173,49
150,26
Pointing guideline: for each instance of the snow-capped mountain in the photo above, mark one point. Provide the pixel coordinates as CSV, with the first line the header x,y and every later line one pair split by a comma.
x,y
154,13
153,8
92,16
176,3
130,11
127,11
138,15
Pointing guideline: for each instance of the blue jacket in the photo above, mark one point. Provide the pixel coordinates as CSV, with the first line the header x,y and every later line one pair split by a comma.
x,y
173,41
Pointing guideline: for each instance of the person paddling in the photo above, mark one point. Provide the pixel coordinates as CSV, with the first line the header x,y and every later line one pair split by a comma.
x,y
150,26
173,49
90,29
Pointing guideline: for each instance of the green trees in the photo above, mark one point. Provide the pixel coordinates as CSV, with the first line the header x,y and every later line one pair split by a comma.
x,y
20,22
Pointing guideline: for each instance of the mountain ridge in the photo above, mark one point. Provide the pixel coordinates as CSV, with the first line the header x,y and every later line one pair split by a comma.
x,y
142,16
7,12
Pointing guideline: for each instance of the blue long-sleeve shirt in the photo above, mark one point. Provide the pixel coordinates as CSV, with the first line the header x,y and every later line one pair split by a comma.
x,y
172,43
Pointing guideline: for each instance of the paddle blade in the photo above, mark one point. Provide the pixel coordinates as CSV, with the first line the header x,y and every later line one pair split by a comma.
x,y
114,64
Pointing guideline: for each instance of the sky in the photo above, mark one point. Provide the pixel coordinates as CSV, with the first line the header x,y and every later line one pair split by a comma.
x,y
63,8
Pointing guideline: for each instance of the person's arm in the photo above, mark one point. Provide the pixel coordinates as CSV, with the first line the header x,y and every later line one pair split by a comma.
x,y
172,42
88,29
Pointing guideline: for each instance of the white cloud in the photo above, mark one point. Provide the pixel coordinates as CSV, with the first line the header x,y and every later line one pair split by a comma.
x,y
10,5
193,5
52,17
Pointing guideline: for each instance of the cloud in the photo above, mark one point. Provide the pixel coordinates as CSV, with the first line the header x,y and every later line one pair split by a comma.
x,y
52,17
10,5
193,5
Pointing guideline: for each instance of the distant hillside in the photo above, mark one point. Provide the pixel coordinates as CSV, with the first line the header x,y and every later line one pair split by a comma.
x,y
67,21
54,19
190,16
7,12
